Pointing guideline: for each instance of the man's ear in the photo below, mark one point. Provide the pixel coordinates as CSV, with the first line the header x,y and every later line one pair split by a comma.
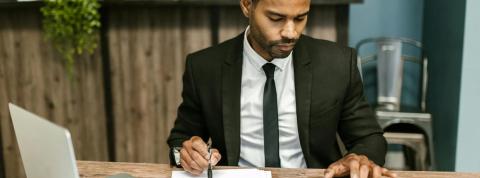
x,y
246,6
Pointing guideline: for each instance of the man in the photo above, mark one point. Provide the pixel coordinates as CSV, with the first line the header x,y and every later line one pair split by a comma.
x,y
272,97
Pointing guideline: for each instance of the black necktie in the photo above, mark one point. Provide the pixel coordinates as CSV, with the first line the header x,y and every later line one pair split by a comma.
x,y
270,119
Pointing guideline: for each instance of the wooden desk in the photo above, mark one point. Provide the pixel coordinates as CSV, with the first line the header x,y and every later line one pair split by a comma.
x,y
91,169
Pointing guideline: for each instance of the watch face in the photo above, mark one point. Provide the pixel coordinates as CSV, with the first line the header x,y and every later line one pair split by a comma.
x,y
176,155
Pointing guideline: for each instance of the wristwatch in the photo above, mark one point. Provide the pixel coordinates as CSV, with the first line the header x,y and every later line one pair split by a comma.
x,y
176,155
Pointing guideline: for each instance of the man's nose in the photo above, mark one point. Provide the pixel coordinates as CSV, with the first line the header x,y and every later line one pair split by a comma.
x,y
288,30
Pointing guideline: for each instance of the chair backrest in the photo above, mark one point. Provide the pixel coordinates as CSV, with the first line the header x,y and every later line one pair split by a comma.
x,y
390,56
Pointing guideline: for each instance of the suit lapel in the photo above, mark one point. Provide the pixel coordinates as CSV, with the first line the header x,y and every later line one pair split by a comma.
x,y
231,88
303,84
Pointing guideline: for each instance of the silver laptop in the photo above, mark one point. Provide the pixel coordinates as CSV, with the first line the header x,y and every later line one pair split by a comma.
x,y
46,148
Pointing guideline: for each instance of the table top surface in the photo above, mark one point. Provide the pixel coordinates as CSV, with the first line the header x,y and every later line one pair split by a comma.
x,y
93,169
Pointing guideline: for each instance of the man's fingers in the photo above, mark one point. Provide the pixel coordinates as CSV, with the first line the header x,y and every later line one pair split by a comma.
x,y
364,170
187,168
354,166
329,173
388,173
376,172
365,166
185,155
199,159
358,166
216,156
364,161
200,146
337,169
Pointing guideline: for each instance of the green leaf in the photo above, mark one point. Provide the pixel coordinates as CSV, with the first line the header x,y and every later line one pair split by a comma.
x,y
71,27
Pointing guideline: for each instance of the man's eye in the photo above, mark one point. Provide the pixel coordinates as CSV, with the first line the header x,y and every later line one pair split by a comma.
x,y
276,19
300,19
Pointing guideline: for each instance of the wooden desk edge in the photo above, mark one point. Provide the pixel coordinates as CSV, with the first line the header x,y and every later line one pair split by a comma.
x,y
96,169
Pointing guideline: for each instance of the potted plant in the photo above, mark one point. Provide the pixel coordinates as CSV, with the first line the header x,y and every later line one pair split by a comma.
x,y
72,26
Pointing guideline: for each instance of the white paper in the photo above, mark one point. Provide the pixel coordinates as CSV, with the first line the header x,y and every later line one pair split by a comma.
x,y
226,173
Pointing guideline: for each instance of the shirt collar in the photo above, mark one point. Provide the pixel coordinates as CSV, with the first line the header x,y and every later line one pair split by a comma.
x,y
257,60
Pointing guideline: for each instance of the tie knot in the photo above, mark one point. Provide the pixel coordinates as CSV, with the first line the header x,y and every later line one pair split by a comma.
x,y
269,69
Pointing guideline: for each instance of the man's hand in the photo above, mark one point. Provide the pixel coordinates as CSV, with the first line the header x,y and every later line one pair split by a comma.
x,y
194,155
358,166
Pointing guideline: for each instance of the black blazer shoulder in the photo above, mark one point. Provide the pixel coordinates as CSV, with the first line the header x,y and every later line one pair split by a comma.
x,y
324,49
224,51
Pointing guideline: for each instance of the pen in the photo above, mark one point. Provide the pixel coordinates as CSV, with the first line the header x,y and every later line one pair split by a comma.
x,y
209,171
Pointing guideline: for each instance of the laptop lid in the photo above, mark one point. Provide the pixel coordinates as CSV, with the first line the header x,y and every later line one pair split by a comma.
x,y
46,148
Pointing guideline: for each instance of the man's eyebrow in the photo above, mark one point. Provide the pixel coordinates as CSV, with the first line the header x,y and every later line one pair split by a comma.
x,y
283,15
275,13
303,14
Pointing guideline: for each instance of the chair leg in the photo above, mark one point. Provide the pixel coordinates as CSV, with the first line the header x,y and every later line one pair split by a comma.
x,y
415,148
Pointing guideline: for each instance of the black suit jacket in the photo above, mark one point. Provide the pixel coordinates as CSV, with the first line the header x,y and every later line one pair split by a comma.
x,y
329,99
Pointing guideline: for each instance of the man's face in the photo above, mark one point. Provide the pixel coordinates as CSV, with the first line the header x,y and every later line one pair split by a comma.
x,y
275,25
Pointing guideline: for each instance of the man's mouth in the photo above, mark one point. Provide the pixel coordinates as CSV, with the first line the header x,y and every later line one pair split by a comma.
x,y
285,47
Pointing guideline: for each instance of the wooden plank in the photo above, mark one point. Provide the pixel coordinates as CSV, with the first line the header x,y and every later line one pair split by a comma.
x,y
232,23
34,77
3,92
10,152
342,24
322,23
148,46
90,169
130,92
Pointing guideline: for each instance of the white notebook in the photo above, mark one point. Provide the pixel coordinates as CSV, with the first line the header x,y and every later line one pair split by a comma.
x,y
226,173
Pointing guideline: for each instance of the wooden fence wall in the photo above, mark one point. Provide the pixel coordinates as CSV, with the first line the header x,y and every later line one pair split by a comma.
x,y
32,75
122,102
147,48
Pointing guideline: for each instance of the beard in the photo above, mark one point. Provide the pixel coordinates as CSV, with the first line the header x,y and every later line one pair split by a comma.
x,y
275,48
280,48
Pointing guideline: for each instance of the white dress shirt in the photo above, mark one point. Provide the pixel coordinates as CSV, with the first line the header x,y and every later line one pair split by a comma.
x,y
251,112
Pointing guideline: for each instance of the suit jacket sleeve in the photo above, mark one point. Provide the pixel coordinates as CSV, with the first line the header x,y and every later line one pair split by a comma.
x,y
358,126
190,121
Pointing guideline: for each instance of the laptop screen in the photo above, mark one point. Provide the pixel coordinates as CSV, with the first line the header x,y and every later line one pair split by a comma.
x,y
46,148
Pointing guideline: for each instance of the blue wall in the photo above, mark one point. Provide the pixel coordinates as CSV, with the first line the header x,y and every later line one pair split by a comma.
x,y
390,18
398,18
468,141
443,40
